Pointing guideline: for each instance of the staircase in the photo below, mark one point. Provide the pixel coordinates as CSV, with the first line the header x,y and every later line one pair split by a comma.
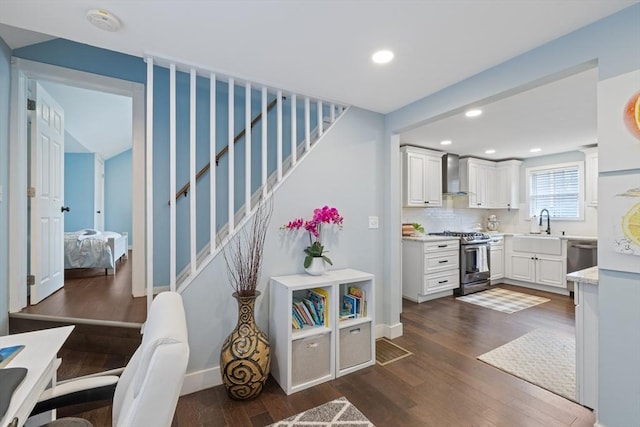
x,y
256,137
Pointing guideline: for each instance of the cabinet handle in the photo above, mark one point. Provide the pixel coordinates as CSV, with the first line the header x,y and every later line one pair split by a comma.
x,y
426,201
532,258
312,345
354,331
443,261
442,246
443,281
479,204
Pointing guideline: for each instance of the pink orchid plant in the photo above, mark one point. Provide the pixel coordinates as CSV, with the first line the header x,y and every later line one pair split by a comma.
x,y
324,215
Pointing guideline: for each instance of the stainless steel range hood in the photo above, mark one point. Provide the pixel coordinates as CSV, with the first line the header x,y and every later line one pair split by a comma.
x,y
451,175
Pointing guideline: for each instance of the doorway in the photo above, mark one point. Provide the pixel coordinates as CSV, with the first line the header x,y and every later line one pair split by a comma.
x,y
22,72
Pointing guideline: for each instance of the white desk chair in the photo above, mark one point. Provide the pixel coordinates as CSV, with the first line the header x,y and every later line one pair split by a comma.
x,y
146,394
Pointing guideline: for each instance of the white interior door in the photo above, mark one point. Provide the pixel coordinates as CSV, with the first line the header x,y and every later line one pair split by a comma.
x,y
47,202
98,216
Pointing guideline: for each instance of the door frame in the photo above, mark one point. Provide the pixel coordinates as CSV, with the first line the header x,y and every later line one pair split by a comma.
x,y
21,71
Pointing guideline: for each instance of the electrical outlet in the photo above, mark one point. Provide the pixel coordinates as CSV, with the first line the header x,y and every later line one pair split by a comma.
x,y
373,222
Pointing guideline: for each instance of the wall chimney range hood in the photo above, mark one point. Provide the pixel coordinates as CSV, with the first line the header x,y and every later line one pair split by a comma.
x,y
451,175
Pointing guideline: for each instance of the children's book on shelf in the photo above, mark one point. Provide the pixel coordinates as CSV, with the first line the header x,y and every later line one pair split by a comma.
x,y
319,303
359,293
349,305
325,303
312,310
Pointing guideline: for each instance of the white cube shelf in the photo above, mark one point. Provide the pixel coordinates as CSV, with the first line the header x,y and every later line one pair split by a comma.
x,y
302,358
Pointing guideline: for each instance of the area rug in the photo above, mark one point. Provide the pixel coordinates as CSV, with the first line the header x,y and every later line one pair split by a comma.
x,y
387,352
541,357
339,412
503,300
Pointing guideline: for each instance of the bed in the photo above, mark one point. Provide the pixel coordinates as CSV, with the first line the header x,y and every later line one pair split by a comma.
x,y
90,248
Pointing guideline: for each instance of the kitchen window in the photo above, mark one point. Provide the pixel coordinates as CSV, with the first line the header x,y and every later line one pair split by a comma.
x,y
558,188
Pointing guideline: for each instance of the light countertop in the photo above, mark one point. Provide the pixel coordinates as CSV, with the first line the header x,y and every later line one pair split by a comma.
x,y
588,275
427,238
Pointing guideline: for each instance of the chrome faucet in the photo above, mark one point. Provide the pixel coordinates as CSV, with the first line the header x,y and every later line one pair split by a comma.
x,y
548,230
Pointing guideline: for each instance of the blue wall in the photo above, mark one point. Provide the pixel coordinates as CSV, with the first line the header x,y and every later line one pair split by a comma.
x,y
5,84
79,190
82,57
118,193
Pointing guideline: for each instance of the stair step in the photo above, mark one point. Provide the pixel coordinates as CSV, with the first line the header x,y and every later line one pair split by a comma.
x,y
92,347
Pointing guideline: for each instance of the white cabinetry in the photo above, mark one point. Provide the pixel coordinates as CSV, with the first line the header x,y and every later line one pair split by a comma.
x,y
536,260
496,258
591,175
430,269
491,185
309,356
421,177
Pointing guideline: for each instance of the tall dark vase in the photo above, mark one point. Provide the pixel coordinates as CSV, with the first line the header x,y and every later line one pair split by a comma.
x,y
246,355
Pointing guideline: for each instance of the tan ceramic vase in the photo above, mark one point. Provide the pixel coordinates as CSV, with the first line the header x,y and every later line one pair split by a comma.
x,y
245,356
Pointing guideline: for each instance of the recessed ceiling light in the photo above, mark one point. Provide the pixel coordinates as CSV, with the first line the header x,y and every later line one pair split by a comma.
x,y
473,113
445,142
382,57
489,151
535,150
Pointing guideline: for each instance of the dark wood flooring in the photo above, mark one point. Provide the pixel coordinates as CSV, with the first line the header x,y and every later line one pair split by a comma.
x,y
441,384
90,294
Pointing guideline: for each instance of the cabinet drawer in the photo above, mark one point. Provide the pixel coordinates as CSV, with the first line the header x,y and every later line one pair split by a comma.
x,y
355,345
441,282
442,245
310,358
440,261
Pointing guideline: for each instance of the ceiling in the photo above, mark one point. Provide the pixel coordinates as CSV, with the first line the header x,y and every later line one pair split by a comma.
x,y
555,117
98,122
321,47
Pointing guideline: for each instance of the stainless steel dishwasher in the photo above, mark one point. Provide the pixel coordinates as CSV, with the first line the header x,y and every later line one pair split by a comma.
x,y
581,254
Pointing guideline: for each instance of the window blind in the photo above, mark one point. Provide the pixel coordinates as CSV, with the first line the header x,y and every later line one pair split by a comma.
x,y
557,190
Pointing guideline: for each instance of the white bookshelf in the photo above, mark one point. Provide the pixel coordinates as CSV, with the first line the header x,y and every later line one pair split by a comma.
x,y
302,358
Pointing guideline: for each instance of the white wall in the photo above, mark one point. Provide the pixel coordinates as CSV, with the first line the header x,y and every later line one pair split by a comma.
x,y
5,73
341,171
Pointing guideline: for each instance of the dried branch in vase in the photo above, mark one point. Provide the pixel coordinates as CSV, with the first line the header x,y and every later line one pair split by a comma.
x,y
244,253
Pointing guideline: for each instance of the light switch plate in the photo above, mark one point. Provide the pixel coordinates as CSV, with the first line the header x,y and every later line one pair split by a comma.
x,y
373,222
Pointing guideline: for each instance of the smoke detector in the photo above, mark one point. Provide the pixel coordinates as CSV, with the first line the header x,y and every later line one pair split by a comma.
x,y
103,20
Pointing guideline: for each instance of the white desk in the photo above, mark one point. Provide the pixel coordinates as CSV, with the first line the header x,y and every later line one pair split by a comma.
x,y
39,357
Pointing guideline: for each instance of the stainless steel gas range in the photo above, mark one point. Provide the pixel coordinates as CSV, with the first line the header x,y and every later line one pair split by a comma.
x,y
475,264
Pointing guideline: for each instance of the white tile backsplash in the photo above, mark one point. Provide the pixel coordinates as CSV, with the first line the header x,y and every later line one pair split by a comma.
x,y
453,217
448,217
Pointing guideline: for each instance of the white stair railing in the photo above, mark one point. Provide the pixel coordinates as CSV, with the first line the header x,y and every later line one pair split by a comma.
x,y
327,114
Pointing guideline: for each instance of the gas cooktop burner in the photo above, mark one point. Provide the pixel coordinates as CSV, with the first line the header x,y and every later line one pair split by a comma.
x,y
465,236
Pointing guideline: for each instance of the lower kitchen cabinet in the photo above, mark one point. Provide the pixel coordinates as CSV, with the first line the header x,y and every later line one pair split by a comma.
x,y
341,344
496,258
540,269
537,267
430,268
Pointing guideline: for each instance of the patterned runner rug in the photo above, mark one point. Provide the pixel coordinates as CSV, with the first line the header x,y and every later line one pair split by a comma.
x,y
541,357
503,300
339,412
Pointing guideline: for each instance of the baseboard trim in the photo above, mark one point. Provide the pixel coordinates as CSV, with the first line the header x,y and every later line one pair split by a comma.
x,y
389,331
552,289
201,380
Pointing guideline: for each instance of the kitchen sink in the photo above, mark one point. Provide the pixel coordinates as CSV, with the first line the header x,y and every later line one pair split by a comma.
x,y
551,245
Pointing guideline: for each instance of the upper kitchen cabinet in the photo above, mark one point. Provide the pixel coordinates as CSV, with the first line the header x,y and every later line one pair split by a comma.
x,y
491,185
507,185
422,177
591,175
